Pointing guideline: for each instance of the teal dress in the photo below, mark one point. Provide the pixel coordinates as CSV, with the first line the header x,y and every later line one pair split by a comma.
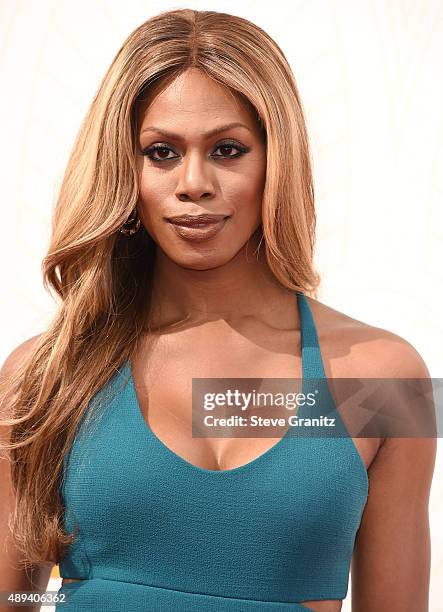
x,y
157,533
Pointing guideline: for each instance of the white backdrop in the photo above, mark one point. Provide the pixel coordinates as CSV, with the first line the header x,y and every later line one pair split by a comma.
x,y
369,75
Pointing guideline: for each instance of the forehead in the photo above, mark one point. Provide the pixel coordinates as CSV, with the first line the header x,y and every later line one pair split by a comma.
x,y
193,96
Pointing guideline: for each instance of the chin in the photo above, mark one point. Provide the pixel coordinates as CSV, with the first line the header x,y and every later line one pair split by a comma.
x,y
207,258
201,261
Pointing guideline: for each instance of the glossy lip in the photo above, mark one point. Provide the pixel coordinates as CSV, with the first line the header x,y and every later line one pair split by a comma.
x,y
197,220
201,231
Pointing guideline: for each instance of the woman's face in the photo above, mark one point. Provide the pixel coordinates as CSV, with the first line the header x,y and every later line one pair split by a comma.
x,y
184,169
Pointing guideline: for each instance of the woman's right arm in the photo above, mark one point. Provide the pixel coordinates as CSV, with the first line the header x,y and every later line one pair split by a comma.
x,y
12,577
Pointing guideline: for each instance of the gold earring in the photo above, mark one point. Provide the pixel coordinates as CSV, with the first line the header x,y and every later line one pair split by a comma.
x,y
132,225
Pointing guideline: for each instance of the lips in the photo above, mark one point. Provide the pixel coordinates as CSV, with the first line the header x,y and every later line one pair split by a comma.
x,y
198,228
197,220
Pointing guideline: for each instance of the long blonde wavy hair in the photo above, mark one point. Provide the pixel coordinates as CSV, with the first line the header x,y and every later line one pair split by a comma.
x,y
101,278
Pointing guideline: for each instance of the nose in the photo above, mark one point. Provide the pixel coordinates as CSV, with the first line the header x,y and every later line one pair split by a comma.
x,y
195,181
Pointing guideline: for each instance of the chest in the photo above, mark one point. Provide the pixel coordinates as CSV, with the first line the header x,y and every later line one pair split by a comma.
x,y
163,374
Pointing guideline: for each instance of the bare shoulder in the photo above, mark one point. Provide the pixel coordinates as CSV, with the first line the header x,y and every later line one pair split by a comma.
x,y
353,348
8,369
21,352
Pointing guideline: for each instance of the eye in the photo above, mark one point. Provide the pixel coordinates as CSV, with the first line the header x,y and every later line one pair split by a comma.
x,y
229,146
157,149
163,151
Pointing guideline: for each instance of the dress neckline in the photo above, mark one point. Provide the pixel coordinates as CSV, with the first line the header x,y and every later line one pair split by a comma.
x,y
312,367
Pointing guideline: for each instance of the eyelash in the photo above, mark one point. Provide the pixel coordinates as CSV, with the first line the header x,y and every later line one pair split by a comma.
x,y
160,147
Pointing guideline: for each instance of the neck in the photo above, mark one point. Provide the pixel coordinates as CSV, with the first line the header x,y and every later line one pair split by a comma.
x,y
243,287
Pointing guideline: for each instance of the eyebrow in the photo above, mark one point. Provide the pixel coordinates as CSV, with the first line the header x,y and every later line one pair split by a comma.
x,y
217,130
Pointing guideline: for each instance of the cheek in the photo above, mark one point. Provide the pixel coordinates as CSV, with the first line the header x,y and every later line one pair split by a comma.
x,y
151,204
243,193
246,202
250,190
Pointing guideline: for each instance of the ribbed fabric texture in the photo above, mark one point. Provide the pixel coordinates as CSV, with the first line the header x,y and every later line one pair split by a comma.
x,y
157,533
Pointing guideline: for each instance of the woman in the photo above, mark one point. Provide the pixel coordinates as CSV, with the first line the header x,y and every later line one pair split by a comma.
x,y
182,248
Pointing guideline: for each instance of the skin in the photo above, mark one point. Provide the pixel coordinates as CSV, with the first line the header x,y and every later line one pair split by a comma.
x,y
221,303
11,577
